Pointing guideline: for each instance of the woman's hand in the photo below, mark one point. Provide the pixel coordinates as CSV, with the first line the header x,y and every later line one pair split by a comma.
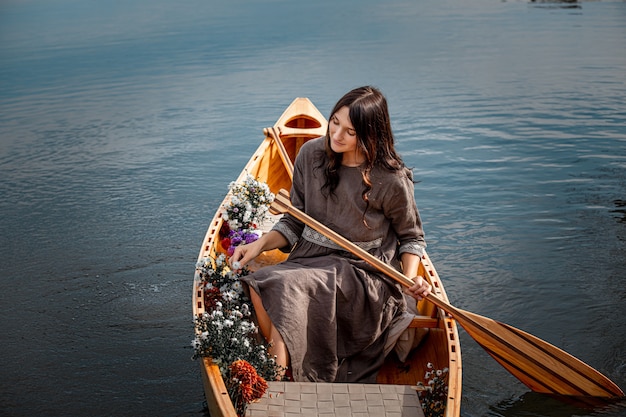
x,y
420,289
244,254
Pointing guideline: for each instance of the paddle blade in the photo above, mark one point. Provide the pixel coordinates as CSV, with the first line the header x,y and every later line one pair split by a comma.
x,y
281,203
542,367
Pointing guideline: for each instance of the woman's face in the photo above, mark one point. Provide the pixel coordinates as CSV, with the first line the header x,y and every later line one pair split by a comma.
x,y
343,138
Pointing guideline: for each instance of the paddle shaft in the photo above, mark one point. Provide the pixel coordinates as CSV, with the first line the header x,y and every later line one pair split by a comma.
x,y
351,247
538,364
272,131
363,254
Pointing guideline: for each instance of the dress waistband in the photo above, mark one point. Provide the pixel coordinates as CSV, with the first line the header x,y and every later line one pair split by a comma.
x,y
313,236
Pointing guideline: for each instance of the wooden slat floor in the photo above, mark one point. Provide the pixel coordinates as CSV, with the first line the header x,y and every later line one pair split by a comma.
x,y
291,399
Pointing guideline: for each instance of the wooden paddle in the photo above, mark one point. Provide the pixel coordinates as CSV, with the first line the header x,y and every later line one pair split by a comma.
x,y
271,131
539,365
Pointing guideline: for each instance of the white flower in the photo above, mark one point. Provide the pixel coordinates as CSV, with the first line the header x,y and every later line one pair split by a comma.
x,y
245,309
237,287
229,295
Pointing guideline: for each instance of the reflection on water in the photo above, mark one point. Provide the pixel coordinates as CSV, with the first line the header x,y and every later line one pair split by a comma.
x,y
620,211
560,4
122,125
533,404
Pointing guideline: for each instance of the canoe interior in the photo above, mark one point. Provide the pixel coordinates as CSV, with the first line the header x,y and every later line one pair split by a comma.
x,y
298,124
440,347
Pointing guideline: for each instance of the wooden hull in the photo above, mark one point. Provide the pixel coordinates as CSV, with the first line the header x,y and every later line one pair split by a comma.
x,y
269,164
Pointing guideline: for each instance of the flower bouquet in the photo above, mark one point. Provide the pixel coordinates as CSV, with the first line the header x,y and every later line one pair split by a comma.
x,y
249,203
434,394
226,331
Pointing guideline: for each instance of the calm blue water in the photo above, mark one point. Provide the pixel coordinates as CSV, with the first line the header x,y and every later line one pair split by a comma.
x,y
122,123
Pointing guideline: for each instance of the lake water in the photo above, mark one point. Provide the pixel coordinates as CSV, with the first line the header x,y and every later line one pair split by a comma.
x,y
122,123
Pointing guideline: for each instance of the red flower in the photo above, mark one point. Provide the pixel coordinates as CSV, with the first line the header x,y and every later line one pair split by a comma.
x,y
225,230
225,243
211,297
251,385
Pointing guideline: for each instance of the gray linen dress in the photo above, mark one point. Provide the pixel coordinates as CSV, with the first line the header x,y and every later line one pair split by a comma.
x,y
331,308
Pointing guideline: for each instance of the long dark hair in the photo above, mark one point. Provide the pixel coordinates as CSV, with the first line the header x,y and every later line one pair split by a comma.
x,y
369,115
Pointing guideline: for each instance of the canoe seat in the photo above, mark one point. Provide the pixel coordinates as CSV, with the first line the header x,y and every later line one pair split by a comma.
x,y
424,321
336,400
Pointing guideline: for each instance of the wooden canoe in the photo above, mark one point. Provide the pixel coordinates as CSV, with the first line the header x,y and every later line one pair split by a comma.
x,y
272,163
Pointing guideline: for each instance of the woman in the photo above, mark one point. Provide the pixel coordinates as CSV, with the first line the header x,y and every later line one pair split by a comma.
x,y
325,312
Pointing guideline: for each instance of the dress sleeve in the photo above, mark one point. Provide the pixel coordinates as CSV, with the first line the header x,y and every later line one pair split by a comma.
x,y
400,208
